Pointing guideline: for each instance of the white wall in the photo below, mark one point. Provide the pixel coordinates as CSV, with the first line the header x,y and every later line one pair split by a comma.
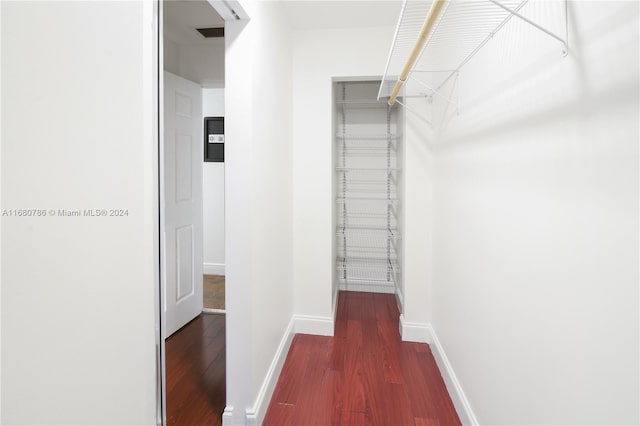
x,y
201,63
78,293
213,196
258,202
417,233
536,224
171,56
319,56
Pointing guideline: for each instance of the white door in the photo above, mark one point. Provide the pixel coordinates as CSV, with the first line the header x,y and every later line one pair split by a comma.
x,y
183,156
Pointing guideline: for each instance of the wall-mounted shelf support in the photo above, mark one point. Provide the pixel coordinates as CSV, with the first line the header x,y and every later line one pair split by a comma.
x,y
414,112
437,91
564,41
442,37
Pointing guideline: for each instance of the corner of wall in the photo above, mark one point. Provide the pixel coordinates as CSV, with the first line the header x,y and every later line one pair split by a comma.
x,y
213,268
424,333
322,326
400,301
414,331
227,416
309,324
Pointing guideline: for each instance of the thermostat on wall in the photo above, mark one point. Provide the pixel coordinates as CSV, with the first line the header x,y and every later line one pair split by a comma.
x,y
214,139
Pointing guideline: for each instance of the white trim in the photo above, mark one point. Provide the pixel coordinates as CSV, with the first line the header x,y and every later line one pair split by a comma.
x,y
460,401
229,10
414,331
213,268
227,416
400,300
213,311
335,304
255,415
424,333
308,324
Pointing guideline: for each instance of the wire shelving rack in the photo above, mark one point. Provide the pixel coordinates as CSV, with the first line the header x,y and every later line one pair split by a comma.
x,y
367,186
458,31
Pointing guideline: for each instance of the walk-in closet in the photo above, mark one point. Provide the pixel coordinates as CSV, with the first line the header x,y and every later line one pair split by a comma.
x,y
368,187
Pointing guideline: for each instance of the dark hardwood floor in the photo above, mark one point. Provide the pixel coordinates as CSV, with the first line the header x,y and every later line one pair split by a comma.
x,y
364,375
195,368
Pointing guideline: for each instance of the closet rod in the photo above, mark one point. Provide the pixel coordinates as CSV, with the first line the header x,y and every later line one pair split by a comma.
x,y
429,22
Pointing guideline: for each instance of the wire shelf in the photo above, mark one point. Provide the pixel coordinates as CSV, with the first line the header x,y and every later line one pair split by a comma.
x,y
384,170
369,151
342,200
371,286
370,251
459,32
380,232
368,263
355,137
362,103
367,269
366,235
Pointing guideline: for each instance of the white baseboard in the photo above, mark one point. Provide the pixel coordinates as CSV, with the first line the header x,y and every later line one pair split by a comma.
x,y
227,416
458,397
307,324
399,299
424,333
213,268
255,415
298,324
335,304
213,311
414,331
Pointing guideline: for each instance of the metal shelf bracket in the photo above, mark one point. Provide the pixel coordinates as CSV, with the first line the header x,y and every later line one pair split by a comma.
x,y
453,32
564,41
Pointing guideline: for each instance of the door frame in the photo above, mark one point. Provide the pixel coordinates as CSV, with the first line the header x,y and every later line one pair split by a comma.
x,y
229,10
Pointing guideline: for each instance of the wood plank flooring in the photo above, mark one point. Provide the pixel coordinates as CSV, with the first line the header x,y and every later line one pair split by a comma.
x,y
195,368
213,289
364,375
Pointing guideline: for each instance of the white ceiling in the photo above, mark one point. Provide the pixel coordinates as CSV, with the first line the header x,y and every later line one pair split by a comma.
x,y
182,17
324,14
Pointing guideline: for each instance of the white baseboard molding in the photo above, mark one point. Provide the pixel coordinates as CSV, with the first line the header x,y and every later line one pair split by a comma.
x,y
227,416
399,299
335,303
424,333
308,324
414,331
298,324
213,311
255,415
213,268
458,397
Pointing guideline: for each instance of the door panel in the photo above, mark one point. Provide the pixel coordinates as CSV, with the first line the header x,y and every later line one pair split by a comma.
x,y
184,260
183,157
184,170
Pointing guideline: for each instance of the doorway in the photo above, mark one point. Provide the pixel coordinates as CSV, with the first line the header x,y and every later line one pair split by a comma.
x,y
192,212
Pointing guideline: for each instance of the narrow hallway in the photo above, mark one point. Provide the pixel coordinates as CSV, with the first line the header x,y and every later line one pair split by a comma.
x,y
363,375
195,365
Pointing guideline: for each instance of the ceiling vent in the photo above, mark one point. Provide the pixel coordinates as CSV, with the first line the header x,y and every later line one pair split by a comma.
x,y
211,32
